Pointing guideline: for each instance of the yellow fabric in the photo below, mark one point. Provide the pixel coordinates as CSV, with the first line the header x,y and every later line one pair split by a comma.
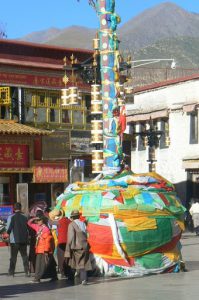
x,y
181,225
141,223
54,234
76,202
132,213
173,255
129,193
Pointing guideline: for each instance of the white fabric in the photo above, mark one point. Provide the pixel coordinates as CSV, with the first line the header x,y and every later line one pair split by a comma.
x,y
116,237
81,225
194,208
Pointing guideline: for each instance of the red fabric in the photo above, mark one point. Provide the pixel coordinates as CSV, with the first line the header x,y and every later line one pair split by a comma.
x,y
120,262
120,198
62,229
169,246
122,119
100,239
164,199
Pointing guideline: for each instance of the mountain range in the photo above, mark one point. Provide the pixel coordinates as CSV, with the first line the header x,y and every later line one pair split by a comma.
x,y
163,31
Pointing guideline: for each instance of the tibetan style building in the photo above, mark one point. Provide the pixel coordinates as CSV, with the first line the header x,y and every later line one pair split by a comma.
x,y
39,137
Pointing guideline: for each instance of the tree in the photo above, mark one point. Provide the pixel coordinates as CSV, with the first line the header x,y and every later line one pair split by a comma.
x,y
91,2
2,32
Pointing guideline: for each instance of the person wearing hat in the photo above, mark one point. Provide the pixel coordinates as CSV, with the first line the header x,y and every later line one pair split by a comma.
x,y
77,247
45,266
32,243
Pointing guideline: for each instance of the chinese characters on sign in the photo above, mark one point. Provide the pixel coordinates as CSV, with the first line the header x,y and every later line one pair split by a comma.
x,y
14,156
50,172
35,80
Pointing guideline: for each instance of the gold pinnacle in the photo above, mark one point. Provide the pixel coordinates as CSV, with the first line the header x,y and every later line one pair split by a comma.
x,y
65,79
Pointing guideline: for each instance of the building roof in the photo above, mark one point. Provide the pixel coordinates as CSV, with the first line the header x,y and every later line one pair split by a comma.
x,y
165,83
11,127
40,53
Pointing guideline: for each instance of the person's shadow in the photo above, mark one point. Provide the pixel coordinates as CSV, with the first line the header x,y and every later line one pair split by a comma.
x,y
9,291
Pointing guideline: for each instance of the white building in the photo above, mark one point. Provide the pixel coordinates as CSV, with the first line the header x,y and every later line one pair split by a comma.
x,y
173,106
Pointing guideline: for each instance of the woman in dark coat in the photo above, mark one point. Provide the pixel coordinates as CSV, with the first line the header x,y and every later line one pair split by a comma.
x,y
77,247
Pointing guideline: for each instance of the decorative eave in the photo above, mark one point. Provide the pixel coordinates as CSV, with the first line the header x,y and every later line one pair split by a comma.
x,y
11,127
140,116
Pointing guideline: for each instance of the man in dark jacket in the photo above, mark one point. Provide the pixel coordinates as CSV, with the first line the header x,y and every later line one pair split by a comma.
x,y
18,230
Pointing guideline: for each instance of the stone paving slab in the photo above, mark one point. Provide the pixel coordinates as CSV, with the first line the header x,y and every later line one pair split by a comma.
x,y
179,286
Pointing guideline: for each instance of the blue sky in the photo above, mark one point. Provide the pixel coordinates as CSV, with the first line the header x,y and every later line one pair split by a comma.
x,y
21,17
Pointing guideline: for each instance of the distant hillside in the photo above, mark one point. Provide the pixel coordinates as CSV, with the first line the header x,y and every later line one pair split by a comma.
x,y
41,36
74,37
160,22
165,30
185,50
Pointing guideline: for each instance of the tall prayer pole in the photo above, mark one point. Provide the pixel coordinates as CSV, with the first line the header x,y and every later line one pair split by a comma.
x,y
109,66
110,87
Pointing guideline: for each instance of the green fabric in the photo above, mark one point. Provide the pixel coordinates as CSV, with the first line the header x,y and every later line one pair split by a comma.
x,y
69,207
107,203
138,242
93,219
150,261
91,204
144,207
118,269
127,206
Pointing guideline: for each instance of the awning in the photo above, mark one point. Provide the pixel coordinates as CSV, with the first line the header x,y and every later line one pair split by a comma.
x,y
189,108
148,116
190,162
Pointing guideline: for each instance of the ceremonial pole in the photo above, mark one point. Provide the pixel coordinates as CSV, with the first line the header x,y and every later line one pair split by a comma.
x,y
109,66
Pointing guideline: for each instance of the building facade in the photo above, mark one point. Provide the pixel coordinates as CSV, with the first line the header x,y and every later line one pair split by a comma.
x,y
31,79
172,107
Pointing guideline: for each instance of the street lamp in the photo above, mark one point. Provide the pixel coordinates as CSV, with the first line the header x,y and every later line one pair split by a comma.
x,y
152,137
143,62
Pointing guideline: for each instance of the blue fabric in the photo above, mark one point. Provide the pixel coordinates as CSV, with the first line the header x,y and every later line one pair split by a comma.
x,y
148,199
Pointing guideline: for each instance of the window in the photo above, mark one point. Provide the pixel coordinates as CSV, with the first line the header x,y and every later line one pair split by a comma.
x,y
41,116
77,117
141,139
4,191
194,128
54,115
88,108
4,112
164,138
66,116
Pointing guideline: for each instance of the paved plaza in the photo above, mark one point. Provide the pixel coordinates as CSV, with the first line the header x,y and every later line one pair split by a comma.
x,y
182,286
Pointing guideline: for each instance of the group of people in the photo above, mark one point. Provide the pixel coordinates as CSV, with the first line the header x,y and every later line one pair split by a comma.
x,y
72,246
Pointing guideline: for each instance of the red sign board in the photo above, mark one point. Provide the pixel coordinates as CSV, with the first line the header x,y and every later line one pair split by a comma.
x,y
35,80
50,172
14,156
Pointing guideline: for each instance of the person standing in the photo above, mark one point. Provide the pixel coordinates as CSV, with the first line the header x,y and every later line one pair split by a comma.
x,y
62,224
194,212
18,230
45,266
77,247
